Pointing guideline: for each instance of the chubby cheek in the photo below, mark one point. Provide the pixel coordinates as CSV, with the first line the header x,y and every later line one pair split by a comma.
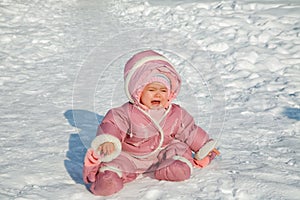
x,y
165,101
145,98
164,97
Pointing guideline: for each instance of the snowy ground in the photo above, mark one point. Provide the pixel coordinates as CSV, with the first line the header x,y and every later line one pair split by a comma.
x,y
61,70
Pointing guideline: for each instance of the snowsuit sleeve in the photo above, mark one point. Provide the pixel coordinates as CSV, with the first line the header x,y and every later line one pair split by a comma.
x,y
194,136
112,129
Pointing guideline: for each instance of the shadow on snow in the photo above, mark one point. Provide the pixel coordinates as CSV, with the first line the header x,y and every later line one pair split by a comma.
x,y
292,113
87,123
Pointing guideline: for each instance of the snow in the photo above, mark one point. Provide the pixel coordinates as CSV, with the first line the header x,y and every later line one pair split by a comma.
x,y
61,70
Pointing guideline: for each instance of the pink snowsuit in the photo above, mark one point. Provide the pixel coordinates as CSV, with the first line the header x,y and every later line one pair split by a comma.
x,y
143,142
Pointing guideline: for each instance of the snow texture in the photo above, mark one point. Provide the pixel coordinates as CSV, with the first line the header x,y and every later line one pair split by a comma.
x,y
61,70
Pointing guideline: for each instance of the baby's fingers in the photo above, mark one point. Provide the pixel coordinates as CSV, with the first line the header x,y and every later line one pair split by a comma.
x,y
109,149
100,150
105,150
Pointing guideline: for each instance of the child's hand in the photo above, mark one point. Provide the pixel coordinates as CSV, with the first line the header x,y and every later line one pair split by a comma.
x,y
106,148
91,166
91,158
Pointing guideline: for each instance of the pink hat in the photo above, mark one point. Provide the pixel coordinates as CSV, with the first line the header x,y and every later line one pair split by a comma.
x,y
161,78
146,67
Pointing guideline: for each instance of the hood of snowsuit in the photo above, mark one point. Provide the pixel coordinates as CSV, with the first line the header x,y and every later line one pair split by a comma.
x,y
141,67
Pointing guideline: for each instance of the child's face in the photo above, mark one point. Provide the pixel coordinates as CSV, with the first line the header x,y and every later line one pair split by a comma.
x,y
154,95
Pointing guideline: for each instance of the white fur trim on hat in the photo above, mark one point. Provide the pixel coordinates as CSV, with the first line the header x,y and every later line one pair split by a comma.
x,y
100,139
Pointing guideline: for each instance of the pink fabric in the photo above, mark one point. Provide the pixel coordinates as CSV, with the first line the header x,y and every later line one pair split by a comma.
x,y
207,160
176,171
161,78
107,183
91,166
139,136
156,114
136,58
175,148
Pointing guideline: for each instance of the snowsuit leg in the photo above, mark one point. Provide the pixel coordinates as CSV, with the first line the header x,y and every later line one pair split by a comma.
x,y
112,176
107,183
175,162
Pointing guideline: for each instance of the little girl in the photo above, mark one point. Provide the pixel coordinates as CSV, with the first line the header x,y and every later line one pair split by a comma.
x,y
147,135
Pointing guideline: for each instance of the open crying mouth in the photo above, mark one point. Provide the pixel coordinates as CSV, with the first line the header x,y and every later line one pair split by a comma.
x,y
155,102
